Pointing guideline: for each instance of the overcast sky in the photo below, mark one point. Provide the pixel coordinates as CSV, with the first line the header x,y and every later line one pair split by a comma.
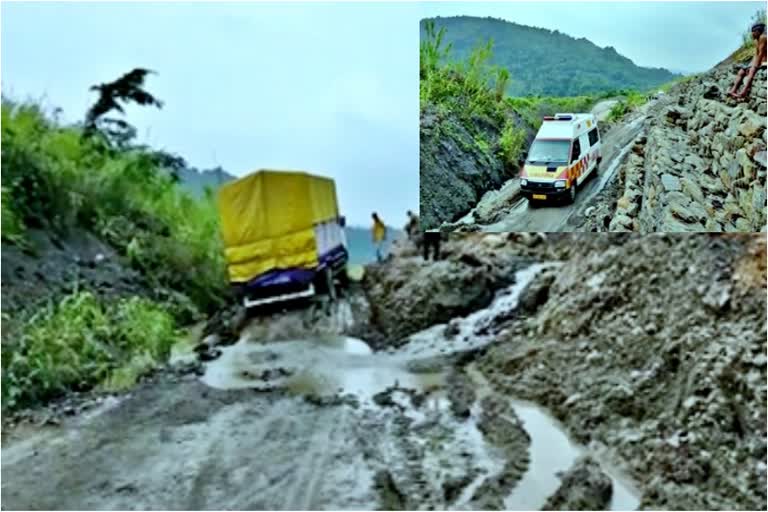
x,y
681,36
329,88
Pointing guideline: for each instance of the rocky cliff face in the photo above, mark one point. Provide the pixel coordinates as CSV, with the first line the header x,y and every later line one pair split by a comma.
x,y
702,165
457,166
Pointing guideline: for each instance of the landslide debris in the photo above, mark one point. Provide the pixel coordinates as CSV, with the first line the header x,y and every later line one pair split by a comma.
x,y
407,294
584,487
656,350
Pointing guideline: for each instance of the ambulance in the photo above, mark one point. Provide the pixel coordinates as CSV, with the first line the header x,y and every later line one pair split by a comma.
x,y
564,153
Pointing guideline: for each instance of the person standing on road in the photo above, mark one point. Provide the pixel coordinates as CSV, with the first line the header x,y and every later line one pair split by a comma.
x,y
379,235
432,241
749,69
413,229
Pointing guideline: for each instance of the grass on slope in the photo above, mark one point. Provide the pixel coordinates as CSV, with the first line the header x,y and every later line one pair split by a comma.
x,y
81,343
54,179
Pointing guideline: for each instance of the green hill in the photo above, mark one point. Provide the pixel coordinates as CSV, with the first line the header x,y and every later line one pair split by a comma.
x,y
195,181
547,63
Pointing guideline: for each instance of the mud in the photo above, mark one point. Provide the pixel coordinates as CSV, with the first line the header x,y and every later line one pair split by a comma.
x,y
292,416
519,405
663,371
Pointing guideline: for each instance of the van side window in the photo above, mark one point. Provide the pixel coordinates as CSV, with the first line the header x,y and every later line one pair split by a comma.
x,y
576,153
593,137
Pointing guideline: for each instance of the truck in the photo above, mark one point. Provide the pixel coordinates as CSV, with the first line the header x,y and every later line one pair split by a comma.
x,y
283,236
564,153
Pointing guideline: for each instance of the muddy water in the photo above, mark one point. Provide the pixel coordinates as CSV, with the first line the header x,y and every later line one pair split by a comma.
x,y
448,448
551,452
472,331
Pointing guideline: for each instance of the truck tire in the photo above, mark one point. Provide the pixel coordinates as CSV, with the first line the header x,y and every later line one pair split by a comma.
x,y
331,284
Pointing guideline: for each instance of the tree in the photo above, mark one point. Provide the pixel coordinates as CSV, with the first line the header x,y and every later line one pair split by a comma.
x,y
502,80
129,88
431,49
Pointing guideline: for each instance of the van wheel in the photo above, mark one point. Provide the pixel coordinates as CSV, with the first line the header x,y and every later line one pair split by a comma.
x,y
572,194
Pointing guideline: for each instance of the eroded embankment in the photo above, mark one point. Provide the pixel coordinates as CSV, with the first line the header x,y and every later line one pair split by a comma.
x,y
286,423
632,373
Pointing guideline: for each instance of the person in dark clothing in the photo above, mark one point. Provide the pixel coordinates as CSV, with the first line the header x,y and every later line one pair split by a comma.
x,y
432,241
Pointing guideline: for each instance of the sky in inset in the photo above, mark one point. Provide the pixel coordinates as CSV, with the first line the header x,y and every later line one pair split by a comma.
x,y
327,88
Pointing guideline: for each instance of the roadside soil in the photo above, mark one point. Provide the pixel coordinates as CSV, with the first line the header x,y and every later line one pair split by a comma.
x,y
652,395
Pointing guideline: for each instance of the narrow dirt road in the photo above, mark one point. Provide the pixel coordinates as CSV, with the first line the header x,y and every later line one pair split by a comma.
x,y
616,143
315,423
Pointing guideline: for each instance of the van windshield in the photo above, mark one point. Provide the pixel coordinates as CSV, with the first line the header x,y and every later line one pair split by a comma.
x,y
546,151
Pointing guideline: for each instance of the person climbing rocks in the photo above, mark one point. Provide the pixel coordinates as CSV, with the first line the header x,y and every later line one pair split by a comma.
x,y
379,236
413,229
432,241
749,69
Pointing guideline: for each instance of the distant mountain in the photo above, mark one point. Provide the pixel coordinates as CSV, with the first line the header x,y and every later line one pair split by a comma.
x,y
543,62
195,180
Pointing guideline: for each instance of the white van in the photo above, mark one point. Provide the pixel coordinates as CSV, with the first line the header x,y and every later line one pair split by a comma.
x,y
563,154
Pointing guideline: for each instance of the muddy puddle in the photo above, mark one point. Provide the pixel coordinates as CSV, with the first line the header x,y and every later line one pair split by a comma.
x,y
551,452
449,449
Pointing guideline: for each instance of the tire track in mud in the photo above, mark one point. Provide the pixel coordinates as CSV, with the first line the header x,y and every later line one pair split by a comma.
x,y
304,491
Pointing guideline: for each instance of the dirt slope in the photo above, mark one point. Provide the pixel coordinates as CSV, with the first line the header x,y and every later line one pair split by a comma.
x,y
656,349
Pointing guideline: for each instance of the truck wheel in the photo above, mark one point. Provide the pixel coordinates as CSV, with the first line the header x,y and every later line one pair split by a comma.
x,y
330,284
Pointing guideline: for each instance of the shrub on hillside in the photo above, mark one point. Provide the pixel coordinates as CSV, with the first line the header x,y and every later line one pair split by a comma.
x,y
57,179
80,343
511,143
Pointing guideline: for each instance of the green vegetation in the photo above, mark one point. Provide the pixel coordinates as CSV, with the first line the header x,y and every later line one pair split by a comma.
x,y
630,101
543,62
473,88
12,228
55,178
465,87
533,109
512,141
82,342
94,177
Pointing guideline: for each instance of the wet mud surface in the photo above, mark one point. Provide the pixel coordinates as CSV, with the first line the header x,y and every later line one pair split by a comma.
x,y
299,414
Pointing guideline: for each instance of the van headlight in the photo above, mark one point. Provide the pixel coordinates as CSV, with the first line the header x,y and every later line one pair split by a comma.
x,y
523,182
560,183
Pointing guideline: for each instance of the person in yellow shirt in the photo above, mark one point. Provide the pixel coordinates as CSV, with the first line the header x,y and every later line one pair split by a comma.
x,y
379,235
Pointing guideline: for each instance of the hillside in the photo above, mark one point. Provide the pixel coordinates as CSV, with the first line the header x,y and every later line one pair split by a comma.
x,y
545,62
195,180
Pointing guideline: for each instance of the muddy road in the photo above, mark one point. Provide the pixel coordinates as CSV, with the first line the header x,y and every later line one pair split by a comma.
x,y
313,422
521,215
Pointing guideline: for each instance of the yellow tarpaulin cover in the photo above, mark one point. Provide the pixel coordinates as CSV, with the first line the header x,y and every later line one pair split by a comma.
x,y
267,221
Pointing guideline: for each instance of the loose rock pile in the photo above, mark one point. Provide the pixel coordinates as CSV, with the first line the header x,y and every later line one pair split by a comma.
x,y
702,166
655,349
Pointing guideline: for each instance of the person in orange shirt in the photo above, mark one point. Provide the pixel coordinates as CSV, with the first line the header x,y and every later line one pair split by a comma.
x,y
379,236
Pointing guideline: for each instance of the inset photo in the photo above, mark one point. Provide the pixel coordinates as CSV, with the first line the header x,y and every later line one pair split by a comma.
x,y
546,117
